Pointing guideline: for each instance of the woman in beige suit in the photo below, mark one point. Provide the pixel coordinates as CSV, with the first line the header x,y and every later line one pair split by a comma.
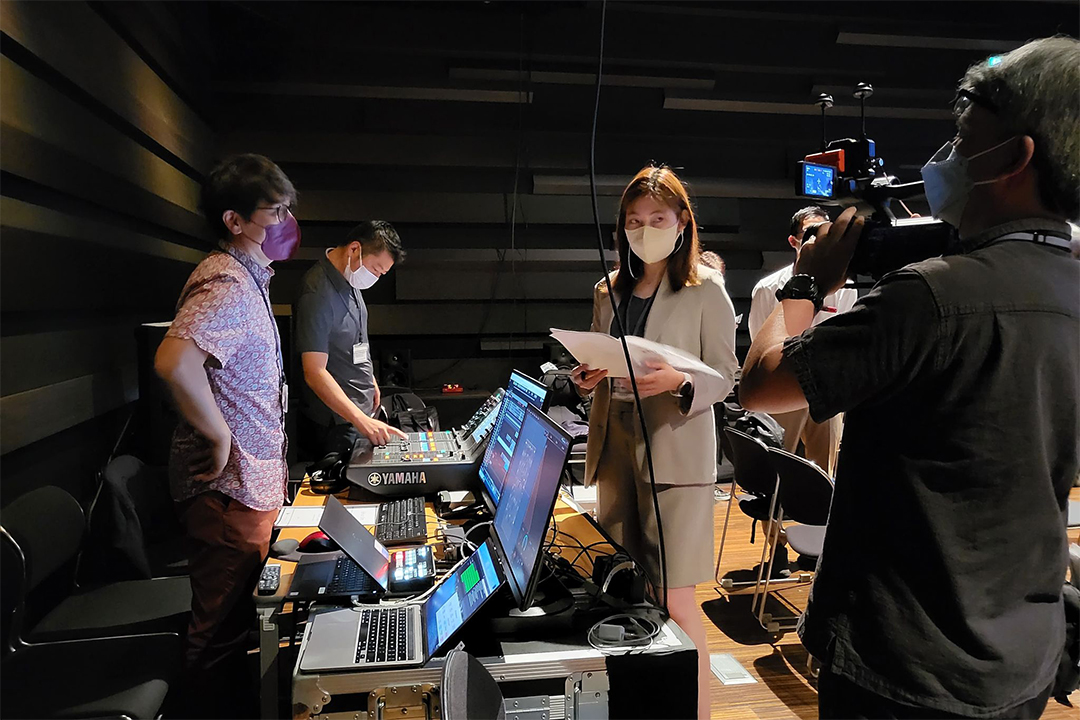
x,y
663,294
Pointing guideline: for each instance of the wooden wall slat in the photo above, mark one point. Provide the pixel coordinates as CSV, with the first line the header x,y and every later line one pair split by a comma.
x,y
78,43
39,359
30,105
436,319
422,283
341,206
18,215
36,414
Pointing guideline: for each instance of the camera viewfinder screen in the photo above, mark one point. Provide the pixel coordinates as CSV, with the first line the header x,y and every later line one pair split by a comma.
x,y
818,180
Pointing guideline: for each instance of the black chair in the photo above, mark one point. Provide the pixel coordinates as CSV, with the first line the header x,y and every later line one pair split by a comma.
x,y
755,475
806,494
468,690
42,533
117,676
133,531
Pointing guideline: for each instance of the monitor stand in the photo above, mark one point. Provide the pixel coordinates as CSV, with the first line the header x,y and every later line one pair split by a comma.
x,y
552,608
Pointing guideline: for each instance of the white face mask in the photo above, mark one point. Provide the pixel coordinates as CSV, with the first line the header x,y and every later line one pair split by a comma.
x,y
361,278
653,244
947,182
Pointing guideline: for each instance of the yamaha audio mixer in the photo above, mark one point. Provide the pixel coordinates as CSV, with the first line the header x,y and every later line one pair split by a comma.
x,y
426,462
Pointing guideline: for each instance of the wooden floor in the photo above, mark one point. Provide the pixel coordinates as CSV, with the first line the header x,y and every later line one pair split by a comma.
x,y
784,689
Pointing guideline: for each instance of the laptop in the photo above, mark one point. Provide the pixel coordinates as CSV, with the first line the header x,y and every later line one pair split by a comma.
x,y
412,634
401,635
361,569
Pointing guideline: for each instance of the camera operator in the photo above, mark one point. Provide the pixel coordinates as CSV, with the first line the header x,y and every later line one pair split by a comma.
x,y
939,587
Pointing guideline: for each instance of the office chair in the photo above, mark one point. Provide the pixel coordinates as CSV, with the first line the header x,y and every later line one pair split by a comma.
x,y
468,690
43,530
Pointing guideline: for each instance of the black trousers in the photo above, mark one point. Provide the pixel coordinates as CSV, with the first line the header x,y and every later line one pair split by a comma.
x,y
317,440
839,698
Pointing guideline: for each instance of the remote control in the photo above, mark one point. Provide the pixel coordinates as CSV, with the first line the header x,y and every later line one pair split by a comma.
x,y
270,579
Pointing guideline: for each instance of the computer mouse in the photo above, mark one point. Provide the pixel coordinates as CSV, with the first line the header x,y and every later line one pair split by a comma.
x,y
317,542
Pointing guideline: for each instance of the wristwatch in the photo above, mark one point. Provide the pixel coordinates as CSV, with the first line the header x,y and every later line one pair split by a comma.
x,y
685,393
802,287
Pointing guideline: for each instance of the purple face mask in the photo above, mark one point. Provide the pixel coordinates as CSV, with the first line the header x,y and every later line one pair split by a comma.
x,y
282,239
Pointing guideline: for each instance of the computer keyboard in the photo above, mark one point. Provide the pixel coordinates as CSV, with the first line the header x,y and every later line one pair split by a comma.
x,y
385,636
401,522
350,577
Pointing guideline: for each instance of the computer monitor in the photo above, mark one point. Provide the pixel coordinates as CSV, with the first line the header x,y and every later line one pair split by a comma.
x,y
521,392
528,499
459,596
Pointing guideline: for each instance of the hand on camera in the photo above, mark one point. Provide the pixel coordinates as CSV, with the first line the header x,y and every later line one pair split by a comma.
x,y
826,255
586,378
378,432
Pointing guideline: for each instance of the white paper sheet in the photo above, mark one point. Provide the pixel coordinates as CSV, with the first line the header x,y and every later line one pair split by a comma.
x,y
600,350
309,515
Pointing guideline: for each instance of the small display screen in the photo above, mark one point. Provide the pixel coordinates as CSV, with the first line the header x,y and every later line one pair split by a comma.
x,y
459,596
818,180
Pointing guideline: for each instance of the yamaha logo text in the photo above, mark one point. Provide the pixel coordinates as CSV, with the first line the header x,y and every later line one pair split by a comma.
x,y
397,478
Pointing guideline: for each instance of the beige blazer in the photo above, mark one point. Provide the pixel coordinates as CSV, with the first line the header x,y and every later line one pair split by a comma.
x,y
699,320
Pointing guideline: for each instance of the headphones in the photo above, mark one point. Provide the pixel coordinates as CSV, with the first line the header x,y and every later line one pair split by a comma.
x,y
327,476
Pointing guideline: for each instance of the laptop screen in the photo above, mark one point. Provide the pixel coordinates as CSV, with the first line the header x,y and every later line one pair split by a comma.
x,y
355,539
459,596
521,392
528,499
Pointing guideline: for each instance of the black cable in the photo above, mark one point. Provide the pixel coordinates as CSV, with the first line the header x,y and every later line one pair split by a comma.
x,y
615,309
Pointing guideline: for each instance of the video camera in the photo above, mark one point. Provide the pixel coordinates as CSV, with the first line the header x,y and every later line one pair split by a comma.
x,y
846,172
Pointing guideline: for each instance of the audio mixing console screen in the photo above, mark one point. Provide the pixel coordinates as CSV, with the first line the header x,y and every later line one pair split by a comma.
x,y
521,392
459,596
528,496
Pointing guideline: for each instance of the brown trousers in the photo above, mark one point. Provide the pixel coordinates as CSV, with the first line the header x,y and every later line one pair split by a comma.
x,y
227,543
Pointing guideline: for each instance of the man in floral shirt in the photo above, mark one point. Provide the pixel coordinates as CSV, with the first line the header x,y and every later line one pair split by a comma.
x,y
222,361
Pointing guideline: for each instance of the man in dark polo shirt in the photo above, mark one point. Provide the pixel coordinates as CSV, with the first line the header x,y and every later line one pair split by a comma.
x,y
938,591
340,395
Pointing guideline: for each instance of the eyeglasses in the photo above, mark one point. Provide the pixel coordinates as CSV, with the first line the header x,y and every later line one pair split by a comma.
x,y
966,98
280,211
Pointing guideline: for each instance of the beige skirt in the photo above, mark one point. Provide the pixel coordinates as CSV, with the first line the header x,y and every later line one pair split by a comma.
x,y
625,507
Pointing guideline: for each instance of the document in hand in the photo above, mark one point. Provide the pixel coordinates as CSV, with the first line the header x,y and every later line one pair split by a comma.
x,y
600,350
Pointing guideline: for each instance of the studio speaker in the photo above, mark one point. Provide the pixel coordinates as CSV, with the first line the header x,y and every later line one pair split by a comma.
x,y
395,367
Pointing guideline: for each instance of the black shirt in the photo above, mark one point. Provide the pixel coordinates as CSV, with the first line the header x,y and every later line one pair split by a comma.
x,y
940,580
634,312
331,318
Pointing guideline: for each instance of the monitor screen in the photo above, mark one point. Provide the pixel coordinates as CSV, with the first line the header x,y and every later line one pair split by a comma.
x,y
459,596
818,180
528,498
521,392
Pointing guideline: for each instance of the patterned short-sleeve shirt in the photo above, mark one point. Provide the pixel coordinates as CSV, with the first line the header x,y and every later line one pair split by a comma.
x,y
225,310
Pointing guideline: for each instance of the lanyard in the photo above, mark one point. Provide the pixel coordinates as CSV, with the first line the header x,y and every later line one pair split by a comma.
x,y
1035,236
273,323
352,294
642,319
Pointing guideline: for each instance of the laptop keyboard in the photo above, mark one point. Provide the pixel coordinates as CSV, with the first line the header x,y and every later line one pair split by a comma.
x,y
385,636
350,577
401,522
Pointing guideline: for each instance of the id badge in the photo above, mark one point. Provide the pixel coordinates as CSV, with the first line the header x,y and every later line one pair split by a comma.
x,y
361,353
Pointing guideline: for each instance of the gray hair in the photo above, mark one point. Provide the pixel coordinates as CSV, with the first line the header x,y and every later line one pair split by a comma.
x,y
1036,91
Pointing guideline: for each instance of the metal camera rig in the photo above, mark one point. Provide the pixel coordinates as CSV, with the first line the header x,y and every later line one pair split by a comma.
x,y
848,171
